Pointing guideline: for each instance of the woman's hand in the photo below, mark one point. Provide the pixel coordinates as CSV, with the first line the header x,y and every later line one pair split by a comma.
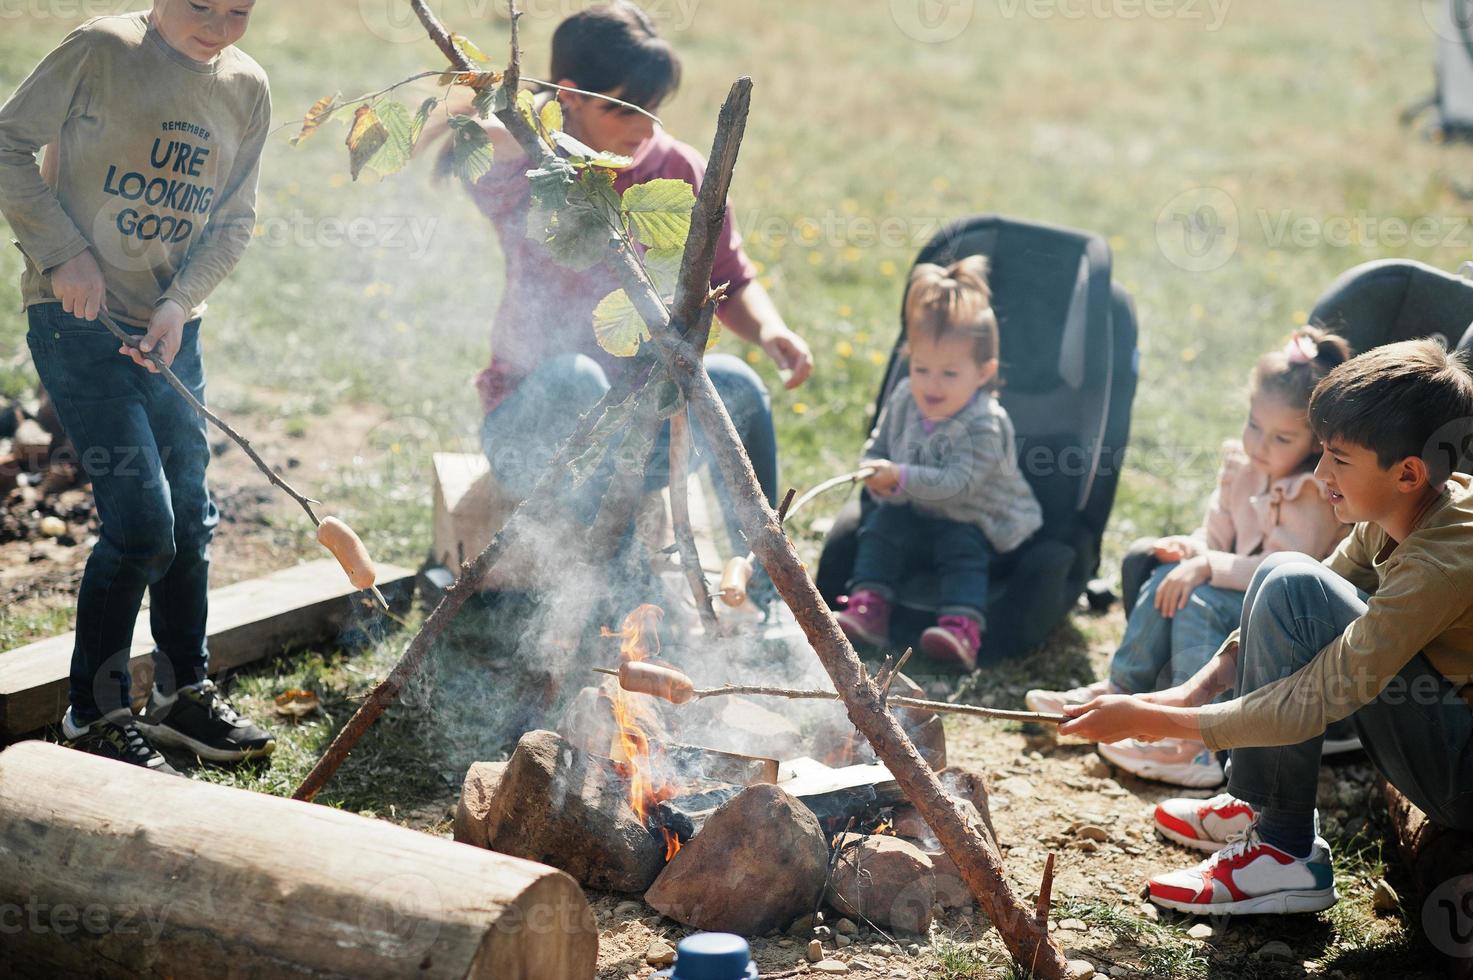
x,y
1114,717
1175,590
165,334
791,355
885,480
1177,547
78,283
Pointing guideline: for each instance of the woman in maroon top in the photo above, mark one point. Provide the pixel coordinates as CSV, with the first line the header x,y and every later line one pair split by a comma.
x,y
546,367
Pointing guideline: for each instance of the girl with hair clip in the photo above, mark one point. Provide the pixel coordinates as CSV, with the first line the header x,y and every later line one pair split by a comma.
x,y
946,481
1267,500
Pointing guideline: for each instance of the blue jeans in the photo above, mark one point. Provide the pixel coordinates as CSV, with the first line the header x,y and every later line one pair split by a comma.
x,y
1157,652
145,451
896,538
522,434
1418,732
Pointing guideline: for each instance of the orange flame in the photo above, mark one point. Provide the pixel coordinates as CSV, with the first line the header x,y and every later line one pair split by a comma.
x,y
639,638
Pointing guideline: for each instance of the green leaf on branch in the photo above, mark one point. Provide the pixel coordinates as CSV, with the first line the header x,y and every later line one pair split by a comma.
x,y
320,113
366,137
398,147
469,47
526,105
618,326
581,155
421,118
578,234
659,211
471,155
551,117
663,265
550,184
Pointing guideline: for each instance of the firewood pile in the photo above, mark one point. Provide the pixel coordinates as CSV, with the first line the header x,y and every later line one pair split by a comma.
x,y
42,493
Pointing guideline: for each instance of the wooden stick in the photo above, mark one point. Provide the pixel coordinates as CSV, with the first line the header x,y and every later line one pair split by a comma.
x,y
943,707
685,537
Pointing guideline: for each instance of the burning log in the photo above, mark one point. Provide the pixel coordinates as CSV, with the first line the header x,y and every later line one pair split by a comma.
x,y
131,873
565,808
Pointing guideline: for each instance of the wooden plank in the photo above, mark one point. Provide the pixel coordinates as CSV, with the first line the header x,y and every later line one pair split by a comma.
x,y
195,880
249,621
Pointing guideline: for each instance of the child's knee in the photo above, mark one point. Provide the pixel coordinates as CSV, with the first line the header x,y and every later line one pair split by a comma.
x,y
149,545
1277,561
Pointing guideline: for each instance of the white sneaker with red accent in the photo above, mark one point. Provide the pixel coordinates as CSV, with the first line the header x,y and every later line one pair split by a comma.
x,y
1250,877
1203,824
1178,761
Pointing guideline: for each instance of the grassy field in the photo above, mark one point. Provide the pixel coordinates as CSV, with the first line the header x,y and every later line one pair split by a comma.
x,y
872,127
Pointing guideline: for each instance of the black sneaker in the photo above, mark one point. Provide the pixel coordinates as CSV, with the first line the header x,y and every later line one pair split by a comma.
x,y
199,720
115,737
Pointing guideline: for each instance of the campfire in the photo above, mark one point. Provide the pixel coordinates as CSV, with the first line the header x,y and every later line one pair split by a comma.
x,y
630,794
631,752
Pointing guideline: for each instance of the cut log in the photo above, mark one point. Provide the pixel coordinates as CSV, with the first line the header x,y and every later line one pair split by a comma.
x,y
1439,862
249,621
124,872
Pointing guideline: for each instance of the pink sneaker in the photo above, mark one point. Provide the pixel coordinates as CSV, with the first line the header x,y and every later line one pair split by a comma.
x,y
953,640
866,618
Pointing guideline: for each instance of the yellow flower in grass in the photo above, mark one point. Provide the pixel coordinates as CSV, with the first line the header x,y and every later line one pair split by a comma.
x,y
845,310
754,357
851,254
1301,317
844,349
887,268
815,259
800,408
878,358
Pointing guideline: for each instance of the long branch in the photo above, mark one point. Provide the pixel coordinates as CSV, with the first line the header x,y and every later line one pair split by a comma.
x,y
803,694
685,537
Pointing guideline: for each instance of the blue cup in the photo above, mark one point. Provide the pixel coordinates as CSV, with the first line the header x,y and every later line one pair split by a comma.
x,y
712,956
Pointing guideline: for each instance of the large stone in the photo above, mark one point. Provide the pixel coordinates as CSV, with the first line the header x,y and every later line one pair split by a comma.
x,y
758,864
965,784
884,879
558,806
476,796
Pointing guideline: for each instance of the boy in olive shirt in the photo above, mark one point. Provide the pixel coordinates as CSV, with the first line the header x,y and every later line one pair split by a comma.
x,y
1380,633
153,125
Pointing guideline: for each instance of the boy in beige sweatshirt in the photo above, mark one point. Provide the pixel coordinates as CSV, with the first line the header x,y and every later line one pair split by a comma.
x,y
152,125
1380,633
